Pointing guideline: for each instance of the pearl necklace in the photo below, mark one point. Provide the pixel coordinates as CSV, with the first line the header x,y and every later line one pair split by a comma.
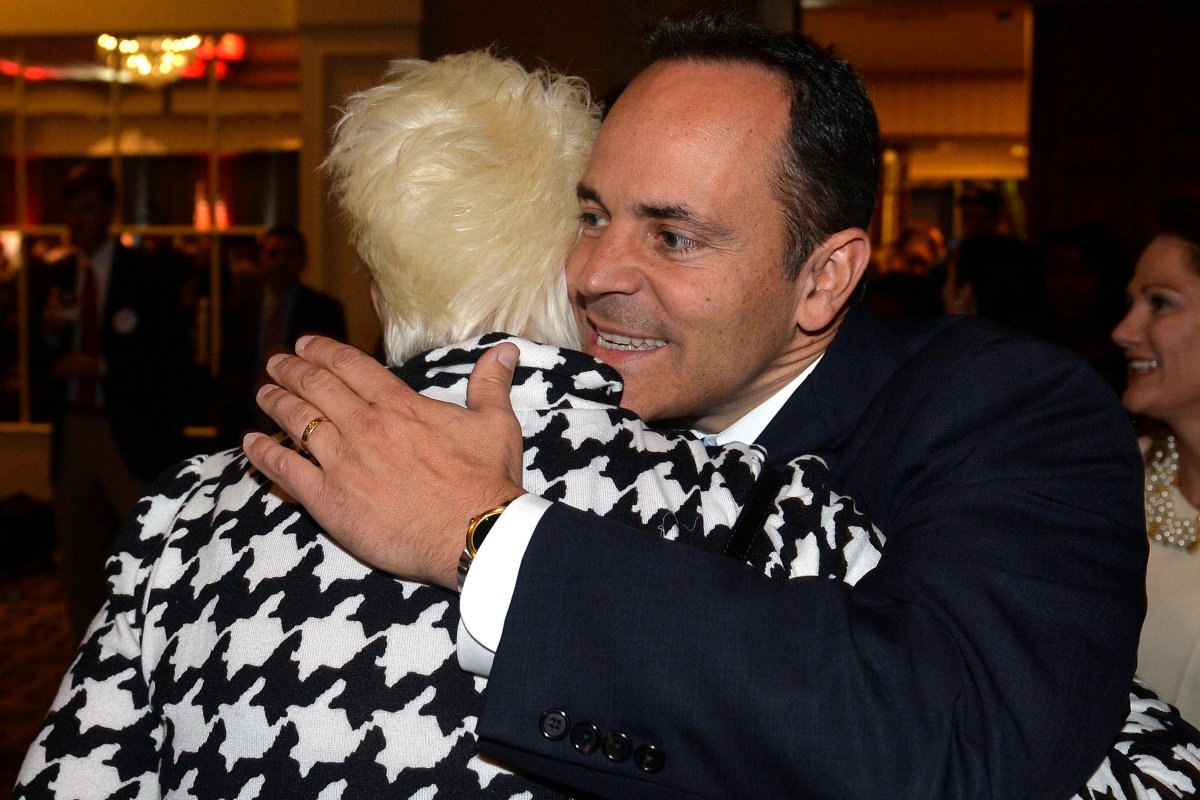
x,y
1161,523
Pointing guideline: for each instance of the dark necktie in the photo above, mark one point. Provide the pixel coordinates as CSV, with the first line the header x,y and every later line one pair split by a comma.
x,y
89,331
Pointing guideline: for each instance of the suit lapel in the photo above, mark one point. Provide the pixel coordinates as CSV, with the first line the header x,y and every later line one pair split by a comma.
x,y
824,410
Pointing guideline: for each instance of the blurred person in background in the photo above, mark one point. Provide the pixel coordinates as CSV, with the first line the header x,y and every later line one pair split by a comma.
x,y
1161,339
995,276
901,286
919,246
267,311
981,211
108,355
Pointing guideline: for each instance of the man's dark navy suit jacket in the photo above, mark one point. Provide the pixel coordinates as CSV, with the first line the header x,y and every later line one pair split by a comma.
x,y
989,654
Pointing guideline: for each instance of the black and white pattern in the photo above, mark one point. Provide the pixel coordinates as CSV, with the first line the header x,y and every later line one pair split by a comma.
x,y
243,654
1156,755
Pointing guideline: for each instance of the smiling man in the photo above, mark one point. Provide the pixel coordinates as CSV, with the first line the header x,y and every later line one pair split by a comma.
x,y
723,235
680,253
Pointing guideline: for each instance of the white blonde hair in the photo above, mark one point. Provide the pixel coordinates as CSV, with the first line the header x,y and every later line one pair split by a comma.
x,y
458,177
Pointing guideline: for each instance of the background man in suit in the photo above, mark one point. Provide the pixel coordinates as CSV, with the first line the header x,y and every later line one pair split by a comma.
x,y
268,310
109,357
724,214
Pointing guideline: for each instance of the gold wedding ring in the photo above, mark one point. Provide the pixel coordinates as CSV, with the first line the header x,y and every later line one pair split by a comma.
x,y
308,429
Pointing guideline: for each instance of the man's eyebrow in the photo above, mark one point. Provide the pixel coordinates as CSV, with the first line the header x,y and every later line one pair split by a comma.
x,y
713,230
585,192
681,213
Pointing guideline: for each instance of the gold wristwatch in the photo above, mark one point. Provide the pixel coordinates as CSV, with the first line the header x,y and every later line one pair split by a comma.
x,y
477,530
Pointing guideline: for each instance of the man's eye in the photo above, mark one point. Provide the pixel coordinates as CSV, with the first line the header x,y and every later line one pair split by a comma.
x,y
591,219
674,241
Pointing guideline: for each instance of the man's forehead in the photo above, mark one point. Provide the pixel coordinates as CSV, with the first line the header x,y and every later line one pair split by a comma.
x,y
699,73
686,125
685,101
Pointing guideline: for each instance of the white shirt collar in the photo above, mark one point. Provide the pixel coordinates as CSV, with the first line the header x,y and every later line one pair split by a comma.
x,y
754,422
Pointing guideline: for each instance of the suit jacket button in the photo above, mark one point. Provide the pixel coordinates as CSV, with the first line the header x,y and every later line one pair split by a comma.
x,y
586,738
649,758
617,746
555,724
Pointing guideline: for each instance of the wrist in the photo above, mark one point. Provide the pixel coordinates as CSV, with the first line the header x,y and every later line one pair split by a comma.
x,y
478,528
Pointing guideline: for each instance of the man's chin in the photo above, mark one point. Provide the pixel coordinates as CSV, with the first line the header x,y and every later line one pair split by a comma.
x,y
653,407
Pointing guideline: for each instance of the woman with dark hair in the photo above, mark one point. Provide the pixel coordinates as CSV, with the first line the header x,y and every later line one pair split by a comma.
x,y
1161,339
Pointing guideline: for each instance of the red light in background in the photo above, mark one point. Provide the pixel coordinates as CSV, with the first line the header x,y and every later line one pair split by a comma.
x,y
231,47
198,69
13,69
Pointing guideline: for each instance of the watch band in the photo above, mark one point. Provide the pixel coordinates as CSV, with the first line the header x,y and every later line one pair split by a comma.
x,y
477,530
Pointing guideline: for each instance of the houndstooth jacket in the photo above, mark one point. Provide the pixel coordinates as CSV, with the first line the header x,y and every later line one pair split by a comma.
x,y
244,654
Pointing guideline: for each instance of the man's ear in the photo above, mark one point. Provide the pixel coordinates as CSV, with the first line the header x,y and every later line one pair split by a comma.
x,y
830,276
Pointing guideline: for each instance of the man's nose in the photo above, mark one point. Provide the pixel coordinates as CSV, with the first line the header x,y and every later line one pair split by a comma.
x,y
605,266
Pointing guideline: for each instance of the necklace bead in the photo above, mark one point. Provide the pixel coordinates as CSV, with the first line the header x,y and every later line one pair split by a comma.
x,y
1161,523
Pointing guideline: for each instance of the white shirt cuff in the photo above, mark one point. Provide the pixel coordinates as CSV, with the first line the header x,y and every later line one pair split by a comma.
x,y
488,589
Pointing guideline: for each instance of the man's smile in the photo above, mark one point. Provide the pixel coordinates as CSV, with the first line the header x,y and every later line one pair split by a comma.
x,y
615,341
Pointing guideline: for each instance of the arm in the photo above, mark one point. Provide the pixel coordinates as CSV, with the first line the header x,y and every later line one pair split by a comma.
x,y
101,736
453,462
988,655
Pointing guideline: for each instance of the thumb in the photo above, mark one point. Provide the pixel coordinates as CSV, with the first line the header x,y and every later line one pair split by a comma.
x,y
492,377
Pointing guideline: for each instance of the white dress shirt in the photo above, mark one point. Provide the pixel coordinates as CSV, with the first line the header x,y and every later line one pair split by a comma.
x,y
489,586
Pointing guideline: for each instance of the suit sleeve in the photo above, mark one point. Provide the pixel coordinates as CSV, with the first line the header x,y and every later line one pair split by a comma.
x,y
988,654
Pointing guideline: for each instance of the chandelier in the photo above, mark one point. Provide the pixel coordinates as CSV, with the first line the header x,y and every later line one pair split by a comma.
x,y
153,60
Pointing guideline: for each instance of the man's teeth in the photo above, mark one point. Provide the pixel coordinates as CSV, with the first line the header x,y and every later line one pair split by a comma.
x,y
615,341
1143,364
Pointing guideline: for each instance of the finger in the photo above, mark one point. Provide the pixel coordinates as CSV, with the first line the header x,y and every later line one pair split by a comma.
x,y
291,412
491,379
295,474
315,385
309,435
362,374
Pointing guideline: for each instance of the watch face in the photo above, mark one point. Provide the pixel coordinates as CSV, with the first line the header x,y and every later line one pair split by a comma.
x,y
480,527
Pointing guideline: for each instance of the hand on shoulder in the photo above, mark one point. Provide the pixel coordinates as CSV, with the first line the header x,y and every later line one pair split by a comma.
x,y
395,476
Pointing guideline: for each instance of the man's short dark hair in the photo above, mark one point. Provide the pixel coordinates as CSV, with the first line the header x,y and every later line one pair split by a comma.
x,y
286,230
828,179
84,178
